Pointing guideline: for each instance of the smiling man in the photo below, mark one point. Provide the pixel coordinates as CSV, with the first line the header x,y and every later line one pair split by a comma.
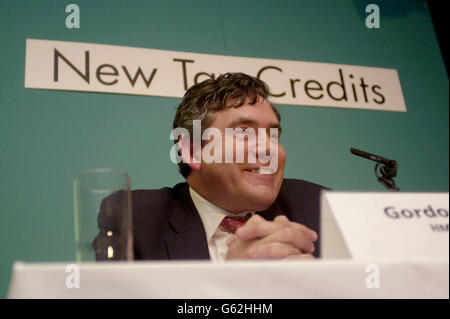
x,y
227,209
251,185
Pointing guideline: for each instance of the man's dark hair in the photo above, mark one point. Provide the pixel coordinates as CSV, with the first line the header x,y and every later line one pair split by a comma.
x,y
204,99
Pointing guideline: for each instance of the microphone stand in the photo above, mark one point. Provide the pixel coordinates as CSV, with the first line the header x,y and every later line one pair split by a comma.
x,y
387,168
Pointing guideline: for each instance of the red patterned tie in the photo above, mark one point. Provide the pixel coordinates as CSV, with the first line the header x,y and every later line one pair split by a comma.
x,y
232,223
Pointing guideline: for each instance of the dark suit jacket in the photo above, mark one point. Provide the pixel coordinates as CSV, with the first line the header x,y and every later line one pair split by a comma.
x,y
166,224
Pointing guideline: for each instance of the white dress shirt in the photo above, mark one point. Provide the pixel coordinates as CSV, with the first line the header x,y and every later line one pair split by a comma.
x,y
212,216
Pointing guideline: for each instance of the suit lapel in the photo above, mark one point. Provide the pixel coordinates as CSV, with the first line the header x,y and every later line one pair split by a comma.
x,y
272,212
185,237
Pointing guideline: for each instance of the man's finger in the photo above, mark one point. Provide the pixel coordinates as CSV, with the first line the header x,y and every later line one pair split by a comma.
x,y
273,250
301,256
231,240
312,235
282,220
257,227
290,235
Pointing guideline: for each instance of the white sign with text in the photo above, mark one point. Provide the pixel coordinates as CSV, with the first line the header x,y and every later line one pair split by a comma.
x,y
76,66
394,226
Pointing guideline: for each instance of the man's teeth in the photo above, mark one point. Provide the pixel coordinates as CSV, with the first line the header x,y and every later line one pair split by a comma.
x,y
262,170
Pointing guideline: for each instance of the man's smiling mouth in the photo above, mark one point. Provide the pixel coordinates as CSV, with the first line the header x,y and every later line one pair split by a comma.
x,y
262,170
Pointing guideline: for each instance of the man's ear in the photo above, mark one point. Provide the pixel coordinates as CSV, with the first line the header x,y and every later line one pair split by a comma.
x,y
186,151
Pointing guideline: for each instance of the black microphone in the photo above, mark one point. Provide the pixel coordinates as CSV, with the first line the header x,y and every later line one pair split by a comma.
x,y
388,170
376,158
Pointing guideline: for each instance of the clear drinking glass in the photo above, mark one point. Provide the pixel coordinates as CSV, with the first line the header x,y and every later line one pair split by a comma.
x,y
103,223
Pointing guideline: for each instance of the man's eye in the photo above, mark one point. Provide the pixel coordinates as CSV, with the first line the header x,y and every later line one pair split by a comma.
x,y
241,130
274,136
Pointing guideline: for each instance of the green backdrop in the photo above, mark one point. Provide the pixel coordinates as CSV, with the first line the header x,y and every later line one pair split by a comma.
x,y
47,137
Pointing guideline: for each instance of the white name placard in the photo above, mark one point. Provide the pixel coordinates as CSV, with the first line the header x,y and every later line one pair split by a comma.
x,y
395,226
61,65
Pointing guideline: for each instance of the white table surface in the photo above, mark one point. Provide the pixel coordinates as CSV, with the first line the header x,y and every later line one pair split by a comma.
x,y
246,280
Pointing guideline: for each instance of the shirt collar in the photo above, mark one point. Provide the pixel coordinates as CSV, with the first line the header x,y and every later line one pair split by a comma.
x,y
210,214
